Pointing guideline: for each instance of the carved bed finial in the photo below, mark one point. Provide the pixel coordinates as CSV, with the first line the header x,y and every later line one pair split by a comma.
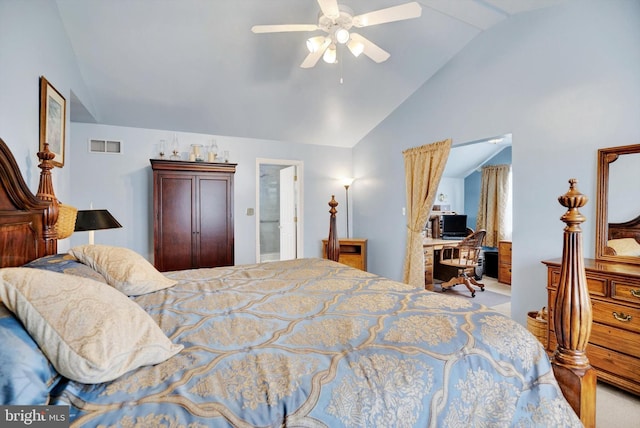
x,y
333,244
46,193
573,314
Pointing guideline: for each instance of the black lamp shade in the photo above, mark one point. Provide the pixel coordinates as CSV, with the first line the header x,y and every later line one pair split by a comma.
x,y
95,220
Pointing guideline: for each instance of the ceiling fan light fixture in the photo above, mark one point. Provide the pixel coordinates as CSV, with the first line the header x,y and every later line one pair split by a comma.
x,y
337,22
329,55
315,43
356,48
342,35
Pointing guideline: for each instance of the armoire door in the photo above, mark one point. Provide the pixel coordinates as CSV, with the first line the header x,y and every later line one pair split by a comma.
x,y
175,234
215,228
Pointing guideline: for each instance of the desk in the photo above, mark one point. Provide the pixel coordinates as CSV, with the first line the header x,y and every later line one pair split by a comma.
x,y
429,246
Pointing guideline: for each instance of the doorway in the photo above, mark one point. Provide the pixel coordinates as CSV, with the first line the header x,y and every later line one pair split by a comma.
x,y
460,191
279,214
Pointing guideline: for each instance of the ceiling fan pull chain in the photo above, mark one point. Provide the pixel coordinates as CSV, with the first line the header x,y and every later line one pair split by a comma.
x,y
341,66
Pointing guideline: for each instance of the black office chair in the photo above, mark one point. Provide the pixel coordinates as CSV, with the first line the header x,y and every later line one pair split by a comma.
x,y
465,256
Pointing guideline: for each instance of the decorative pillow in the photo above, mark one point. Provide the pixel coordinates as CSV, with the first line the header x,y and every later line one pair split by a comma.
x,y
90,332
625,247
26,376
65,263
123,268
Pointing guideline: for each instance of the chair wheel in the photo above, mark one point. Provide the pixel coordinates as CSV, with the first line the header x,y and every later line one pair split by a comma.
x,y
482,289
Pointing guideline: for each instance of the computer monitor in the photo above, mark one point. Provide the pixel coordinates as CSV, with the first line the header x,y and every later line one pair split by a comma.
x,y
454,226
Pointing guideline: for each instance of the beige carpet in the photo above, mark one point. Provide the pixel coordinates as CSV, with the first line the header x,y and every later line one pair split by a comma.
x,y
615,408
486,297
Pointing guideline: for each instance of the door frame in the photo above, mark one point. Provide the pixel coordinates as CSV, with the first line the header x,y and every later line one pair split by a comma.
x,y
299,197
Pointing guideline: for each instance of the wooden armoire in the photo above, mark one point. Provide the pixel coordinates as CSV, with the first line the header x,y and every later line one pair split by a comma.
x,y
192,214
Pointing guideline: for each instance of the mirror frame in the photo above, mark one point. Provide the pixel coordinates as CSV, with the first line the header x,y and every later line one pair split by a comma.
x,y
605,157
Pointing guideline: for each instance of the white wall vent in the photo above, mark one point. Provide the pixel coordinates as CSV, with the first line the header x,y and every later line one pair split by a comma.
x,y
105,146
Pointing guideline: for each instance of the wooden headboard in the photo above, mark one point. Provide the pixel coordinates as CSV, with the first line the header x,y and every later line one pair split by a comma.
x,y
628,229
27,221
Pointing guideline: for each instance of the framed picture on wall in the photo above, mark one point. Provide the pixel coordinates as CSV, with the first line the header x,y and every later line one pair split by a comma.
x,y
53,110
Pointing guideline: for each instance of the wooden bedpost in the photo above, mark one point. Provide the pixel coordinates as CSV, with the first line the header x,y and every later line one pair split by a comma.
x,y
333,244
572,315
46,193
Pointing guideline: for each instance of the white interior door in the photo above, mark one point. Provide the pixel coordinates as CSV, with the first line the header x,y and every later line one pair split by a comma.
x,y
288,213
270,215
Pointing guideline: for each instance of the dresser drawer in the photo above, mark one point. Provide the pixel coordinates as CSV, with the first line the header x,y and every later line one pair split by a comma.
x,y
625,291
504,252
504,273
622,341
428,257
617,339
614,366
616,315
597,285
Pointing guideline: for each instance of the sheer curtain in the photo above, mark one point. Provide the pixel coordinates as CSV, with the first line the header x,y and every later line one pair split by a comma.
x,y
423,167
494,210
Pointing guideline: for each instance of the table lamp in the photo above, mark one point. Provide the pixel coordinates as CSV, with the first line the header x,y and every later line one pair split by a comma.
x,y
91,220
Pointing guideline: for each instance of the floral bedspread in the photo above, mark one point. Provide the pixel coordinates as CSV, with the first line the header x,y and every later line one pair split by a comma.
x,y
315,343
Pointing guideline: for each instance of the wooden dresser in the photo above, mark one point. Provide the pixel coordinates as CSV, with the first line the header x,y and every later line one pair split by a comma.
x,y
614,344
353,252
192,214
504,262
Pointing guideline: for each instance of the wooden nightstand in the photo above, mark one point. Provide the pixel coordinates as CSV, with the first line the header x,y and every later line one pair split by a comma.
x,y
353,252
504,262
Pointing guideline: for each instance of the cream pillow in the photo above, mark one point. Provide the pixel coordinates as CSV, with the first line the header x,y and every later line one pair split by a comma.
x,y
123,268
625,247
90,332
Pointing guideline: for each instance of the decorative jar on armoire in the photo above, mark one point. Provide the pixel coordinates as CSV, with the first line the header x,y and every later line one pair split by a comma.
x,y
192,214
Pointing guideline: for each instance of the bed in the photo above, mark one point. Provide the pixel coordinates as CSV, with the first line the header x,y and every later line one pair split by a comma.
x,y
624,238
304,343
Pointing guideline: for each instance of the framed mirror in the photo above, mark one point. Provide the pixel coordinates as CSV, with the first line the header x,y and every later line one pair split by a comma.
x,y
618,205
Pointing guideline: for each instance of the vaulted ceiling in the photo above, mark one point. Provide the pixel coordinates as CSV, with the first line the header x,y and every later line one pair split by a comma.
x,y
195,65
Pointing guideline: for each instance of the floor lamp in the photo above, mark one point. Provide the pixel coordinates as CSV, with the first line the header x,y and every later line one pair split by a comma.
x,y
347,182
91,220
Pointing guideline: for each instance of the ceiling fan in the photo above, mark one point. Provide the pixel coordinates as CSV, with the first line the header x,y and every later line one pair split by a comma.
x,y
337,21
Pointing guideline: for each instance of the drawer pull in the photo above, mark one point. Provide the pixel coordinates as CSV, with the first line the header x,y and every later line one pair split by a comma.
x,y
635,293
620,316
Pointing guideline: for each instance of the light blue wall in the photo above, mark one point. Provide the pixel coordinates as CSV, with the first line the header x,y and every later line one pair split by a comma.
x,y
565,81
33,42
123,184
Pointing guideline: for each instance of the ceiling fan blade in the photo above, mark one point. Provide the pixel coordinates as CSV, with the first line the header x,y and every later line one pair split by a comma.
x,y
390,14
283,28
312,59
370,49
329,8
